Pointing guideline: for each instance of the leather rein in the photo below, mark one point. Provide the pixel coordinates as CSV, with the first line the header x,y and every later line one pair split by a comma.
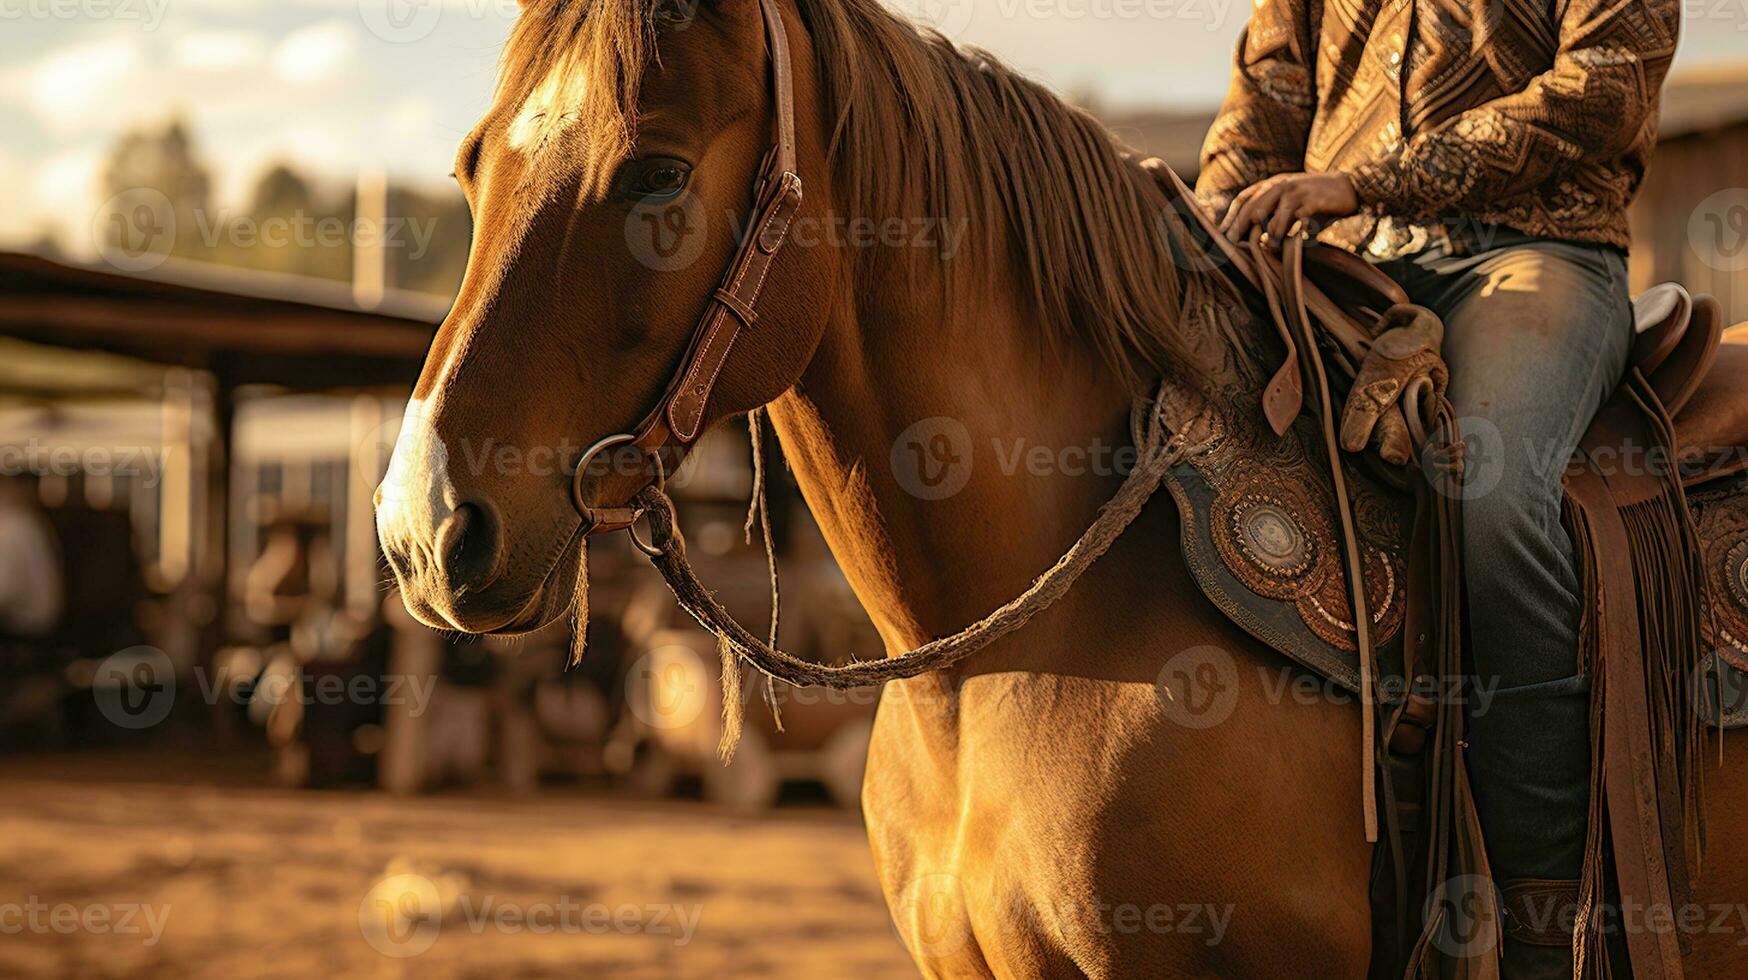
x,y
678,417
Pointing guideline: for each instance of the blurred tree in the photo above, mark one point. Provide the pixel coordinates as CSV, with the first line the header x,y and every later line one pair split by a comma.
x,y
288,228
159,194
281,190
160,202
47,245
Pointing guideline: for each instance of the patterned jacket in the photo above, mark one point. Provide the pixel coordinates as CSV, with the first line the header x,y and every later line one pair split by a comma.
x,y
1450,115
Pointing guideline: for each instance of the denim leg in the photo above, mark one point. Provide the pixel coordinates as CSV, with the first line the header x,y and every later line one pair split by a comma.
x,y
1537,336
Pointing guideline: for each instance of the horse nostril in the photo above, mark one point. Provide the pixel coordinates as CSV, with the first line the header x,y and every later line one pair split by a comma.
x,y
470,548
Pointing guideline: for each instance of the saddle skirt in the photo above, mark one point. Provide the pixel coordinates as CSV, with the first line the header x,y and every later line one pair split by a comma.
x,y
1720,513
1259,534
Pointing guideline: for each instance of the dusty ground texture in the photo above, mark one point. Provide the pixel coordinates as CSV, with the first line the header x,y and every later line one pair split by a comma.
x,y
100,851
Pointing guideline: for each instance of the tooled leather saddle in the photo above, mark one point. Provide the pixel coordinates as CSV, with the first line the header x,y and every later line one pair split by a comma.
x,y
1281,530
1258,525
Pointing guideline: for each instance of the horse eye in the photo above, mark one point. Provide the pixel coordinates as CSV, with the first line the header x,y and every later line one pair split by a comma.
x,y
670,14
657,179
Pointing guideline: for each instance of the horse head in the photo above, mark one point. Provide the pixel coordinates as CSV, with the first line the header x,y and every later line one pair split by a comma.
x,y
608,185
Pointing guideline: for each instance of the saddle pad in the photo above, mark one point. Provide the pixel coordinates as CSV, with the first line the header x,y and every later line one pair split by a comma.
x,y
1259,535
1720,514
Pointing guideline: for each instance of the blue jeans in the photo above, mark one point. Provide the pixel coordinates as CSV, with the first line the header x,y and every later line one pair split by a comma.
x,y
1537,335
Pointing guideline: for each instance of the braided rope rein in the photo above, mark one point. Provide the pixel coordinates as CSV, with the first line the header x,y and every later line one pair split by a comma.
x,y
1160,452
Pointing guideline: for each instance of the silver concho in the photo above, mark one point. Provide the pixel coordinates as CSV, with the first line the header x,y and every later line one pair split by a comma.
x,y
1736,573
1273,539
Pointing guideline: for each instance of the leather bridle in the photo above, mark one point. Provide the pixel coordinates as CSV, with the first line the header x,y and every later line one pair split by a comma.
x,y
678,417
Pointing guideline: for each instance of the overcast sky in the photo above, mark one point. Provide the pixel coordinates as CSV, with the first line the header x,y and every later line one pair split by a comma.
x,y
334,84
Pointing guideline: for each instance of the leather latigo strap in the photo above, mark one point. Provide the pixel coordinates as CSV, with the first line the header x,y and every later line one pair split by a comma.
x,y
679,416
1629,782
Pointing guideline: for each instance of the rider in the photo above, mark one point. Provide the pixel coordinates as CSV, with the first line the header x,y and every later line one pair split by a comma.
x,y
1483,154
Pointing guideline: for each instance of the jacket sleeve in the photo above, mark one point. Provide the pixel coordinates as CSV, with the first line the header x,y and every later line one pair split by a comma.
x,y
1592,104
1263,124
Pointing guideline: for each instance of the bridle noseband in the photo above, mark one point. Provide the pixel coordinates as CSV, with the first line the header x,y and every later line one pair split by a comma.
x,y
678,416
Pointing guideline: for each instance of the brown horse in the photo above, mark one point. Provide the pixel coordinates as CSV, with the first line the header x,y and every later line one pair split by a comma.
x,y
976,284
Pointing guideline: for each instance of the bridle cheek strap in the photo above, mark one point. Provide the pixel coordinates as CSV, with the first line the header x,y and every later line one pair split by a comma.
x,y
679,416
733,307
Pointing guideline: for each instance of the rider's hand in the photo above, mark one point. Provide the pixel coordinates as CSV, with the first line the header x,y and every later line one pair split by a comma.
x,y
1281,202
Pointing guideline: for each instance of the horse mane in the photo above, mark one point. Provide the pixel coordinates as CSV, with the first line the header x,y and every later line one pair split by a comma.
x,y
925,129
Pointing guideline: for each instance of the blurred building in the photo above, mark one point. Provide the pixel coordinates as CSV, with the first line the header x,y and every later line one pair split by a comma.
x,y
1690,222
205,442
175,422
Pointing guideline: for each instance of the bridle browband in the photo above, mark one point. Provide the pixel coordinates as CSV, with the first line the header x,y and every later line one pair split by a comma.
x,y
678,416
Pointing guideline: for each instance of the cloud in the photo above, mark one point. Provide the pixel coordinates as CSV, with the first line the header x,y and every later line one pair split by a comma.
x,y
315,149
316,53
75,86
218,50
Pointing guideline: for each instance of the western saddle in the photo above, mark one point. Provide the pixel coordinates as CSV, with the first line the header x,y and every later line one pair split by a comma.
x,y
1351,567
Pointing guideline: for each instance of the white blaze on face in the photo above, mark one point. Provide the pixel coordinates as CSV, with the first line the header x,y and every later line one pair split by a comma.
x,y
416,488
547,108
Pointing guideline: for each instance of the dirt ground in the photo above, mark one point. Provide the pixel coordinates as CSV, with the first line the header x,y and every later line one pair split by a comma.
x,y
118,864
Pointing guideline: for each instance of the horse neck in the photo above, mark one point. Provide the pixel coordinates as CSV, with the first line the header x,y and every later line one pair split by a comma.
x,y
948,465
